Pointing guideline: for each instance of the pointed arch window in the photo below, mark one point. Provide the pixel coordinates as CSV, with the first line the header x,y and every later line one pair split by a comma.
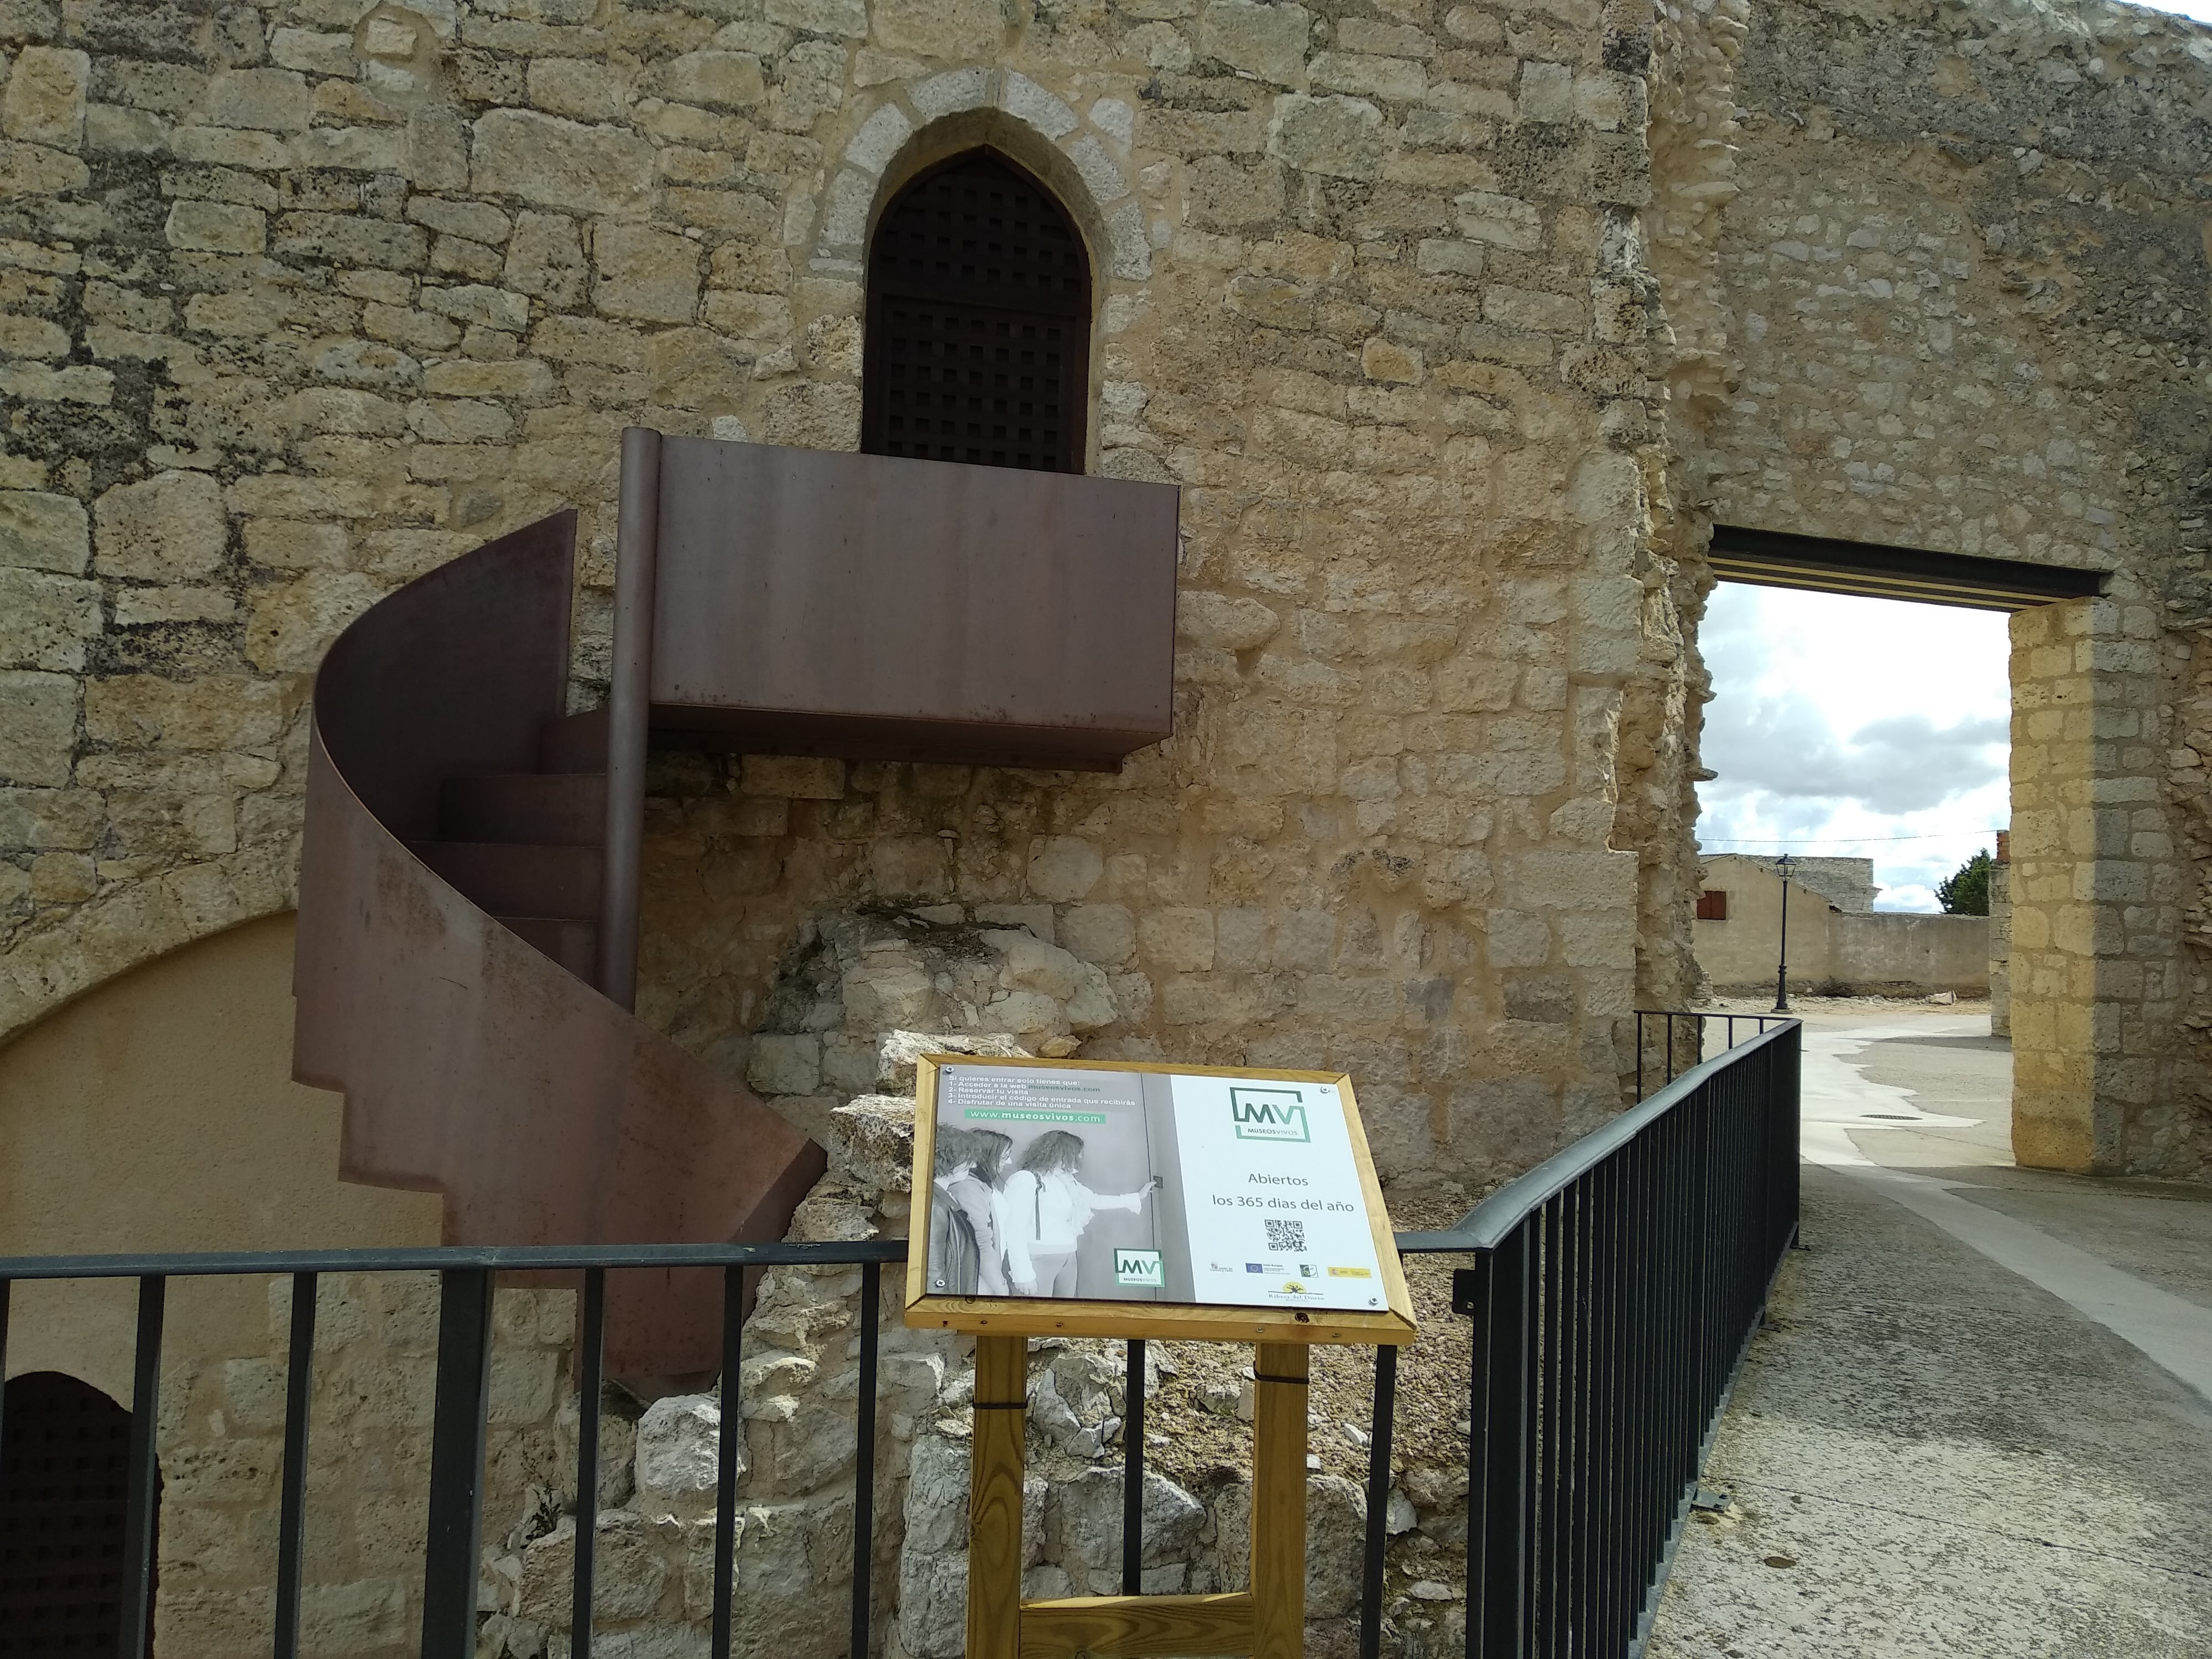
x,y
978,342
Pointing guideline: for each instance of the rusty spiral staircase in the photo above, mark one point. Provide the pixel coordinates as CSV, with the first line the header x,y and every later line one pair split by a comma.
x,y
469,886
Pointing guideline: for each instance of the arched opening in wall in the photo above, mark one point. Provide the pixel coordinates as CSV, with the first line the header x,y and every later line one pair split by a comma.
x,y
1854,817
978,321
64,1462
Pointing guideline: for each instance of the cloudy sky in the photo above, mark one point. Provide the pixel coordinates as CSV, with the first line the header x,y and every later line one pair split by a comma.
x,y
1844,727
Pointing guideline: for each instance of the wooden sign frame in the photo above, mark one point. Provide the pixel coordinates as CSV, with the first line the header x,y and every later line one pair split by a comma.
x,y
1005,1316
1267,1620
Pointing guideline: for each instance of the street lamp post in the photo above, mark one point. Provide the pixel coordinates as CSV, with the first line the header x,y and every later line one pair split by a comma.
x,y
1781,955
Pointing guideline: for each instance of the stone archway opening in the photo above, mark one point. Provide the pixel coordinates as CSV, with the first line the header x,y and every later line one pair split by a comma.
x,y
2088,970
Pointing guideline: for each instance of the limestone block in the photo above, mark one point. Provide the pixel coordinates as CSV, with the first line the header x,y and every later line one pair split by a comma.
x,y
578,88
289,625
171,526
44,100
66,819
901,1049
961,29
1105,935
871,1138
216,227
1028,102
1231,624
1178,938
1269,40
848,18
717,80
797,776
37,726
40,531
267,100
951,93
1064,868
34,170
546,259
33,336
785,1065
1375,77
632,1571
1337,137
1083,1525
650,275
1547,93
1389,361
45,619
1504,220
479,222
678,1448
561,163
136,607
1336,1531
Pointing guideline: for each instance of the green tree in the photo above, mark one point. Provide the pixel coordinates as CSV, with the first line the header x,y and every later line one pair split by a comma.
x,y
1966,890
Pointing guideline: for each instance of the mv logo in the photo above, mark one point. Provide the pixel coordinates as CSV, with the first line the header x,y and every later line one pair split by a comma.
x,y
1269,1114
1139,1267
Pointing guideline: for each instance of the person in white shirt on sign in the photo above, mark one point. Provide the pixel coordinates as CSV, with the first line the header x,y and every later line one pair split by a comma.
x,y
1043,1209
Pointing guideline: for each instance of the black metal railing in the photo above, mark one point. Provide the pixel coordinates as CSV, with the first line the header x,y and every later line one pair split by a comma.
x,y
1613,1289
461,1412
1677,1043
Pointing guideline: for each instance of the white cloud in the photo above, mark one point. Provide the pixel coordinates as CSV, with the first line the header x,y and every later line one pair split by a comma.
x,y
1855,727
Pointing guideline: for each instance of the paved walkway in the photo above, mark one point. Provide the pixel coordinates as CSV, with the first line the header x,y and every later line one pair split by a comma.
x,y
1983,1424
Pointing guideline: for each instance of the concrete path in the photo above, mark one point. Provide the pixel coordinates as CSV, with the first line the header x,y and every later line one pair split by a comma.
x,y
1983,1424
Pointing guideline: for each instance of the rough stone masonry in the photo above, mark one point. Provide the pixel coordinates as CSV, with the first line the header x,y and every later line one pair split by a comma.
x,y
307,298
1459,326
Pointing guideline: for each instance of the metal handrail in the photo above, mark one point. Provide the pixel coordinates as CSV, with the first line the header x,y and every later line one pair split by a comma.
x,y
1484,1227
488,1258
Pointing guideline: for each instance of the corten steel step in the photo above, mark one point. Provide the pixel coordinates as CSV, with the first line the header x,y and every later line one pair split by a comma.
x,y
573,742
565,808
520,878
574,944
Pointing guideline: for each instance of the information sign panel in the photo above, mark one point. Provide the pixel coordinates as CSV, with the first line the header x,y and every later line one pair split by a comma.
x,y
1135,1199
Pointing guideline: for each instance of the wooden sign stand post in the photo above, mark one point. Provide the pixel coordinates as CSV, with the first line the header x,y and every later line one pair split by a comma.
x,y
1267,1621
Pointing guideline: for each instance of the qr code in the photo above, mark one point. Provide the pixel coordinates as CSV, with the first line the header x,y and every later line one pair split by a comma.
x,y
1289,1236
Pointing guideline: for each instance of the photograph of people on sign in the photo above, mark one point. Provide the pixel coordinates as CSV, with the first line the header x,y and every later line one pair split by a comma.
x,y
1077,1184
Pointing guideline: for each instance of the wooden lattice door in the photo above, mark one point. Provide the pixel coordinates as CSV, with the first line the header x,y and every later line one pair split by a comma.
x,y
65,1451
979,322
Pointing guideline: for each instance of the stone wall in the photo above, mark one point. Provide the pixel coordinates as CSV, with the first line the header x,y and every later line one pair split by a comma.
x,y
1964,279
2001,949
304,298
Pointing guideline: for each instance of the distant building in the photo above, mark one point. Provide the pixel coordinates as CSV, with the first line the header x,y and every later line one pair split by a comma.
x,y
1839,944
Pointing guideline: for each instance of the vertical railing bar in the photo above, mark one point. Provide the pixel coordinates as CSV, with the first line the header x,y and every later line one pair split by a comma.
x,y
454,1534
5,1286
864,1462
135,1624
1380,1423
1552,1436
1670,1047
726,1457
591,1356
292,1520
1133,1469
